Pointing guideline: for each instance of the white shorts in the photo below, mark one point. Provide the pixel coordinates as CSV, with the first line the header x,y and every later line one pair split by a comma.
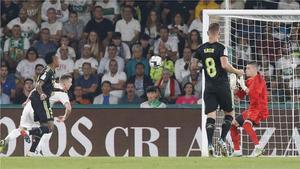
x,y
27,118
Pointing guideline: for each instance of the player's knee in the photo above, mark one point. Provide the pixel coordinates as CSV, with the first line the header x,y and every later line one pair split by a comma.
x,y
210,123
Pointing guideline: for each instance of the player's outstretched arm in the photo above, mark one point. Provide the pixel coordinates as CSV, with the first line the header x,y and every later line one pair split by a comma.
x,y
229,68
68,110
39,89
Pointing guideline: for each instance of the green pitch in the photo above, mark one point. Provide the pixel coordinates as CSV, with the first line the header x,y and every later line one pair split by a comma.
x,y
149,163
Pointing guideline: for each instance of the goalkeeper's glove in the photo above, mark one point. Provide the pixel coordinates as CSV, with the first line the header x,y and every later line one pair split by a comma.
x,y
242,84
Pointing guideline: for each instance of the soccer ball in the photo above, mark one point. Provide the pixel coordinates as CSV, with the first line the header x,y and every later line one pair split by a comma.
x,y
155,61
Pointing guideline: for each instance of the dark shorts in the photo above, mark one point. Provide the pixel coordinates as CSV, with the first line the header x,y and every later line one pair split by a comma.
x,y
42,111
217,95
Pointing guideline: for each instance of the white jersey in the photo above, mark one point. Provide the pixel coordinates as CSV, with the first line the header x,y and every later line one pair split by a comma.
x,y
27,118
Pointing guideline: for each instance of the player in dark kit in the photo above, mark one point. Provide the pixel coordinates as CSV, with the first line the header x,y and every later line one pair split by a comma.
x,y
40,102
213,56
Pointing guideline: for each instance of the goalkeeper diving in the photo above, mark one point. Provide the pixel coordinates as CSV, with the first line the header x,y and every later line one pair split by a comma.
x,y
256,89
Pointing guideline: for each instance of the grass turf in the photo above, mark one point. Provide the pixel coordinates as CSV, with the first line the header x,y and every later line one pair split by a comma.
x,y
148,163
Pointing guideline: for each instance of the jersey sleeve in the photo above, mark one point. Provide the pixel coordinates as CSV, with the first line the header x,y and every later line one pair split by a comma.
x,y
223,51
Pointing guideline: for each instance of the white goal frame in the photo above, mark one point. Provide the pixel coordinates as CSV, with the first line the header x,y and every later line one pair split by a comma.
x,y
206,21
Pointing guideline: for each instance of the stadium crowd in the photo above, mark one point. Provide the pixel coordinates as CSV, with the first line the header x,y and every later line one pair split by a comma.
x,y
106,45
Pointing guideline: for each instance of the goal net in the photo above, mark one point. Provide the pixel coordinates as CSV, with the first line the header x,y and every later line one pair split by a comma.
x,y
272,39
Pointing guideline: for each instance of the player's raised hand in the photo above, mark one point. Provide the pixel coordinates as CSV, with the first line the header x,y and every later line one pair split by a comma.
x,y
61,118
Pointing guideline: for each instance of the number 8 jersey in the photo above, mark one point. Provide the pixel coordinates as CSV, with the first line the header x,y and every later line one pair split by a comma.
x,y
210,54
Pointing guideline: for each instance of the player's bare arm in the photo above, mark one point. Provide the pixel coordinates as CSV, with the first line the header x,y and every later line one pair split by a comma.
x,y
229,68
39,89
68,110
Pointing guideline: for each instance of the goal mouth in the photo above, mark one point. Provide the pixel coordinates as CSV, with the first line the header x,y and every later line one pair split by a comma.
x,y
272,39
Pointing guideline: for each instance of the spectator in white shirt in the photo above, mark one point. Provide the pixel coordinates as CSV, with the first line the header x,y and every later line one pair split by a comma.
x,y
182,65
112,55
129,27
53,25
61,10
85,57
105,98
170,43
64,41
28,27
66,64
15,48
117,79
26,67
196,24
122,48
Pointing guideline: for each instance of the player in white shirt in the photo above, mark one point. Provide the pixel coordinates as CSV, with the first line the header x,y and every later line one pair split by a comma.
x,y
27,120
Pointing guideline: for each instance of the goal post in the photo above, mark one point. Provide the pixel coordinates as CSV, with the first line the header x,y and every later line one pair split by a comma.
x,y
268,37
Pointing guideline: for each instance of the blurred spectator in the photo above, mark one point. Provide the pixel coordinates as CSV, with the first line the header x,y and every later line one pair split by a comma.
x,y
233,4
73,29
147,47
242,52
85,57
179,30
122,48
106,98
33,9
156,73
204,4
130,97
112,55
152,26
288,4
137,58
169,87
22,97
15,48
60,10
294,84
64,41
78,96
111,9
96,45
9,11
280,91
186,8
4,98
194,41
29,28
197,25
286,64
170,43
82,8
128,26
8,83
153,95
267,70
140,80
88,81
280,31
25,68
116,78
188,95
101,25
136,11
38,70
195,78
44,45
66,65
182,65
54,26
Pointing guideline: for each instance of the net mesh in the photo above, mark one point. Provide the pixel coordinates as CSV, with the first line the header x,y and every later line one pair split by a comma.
x,y
272,41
